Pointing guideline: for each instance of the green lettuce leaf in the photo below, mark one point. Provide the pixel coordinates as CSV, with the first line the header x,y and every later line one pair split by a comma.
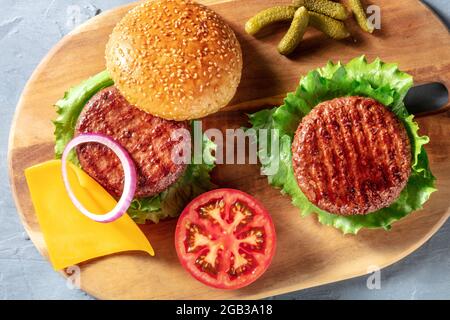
x,y
69,109
168,203
381,81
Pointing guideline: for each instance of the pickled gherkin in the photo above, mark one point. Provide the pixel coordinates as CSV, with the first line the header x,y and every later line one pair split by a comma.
x,y
329,8
268,17
323,15
295,33
333,28
360,15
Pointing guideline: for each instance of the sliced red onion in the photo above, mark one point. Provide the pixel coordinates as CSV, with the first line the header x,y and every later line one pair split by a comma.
x,y
129,170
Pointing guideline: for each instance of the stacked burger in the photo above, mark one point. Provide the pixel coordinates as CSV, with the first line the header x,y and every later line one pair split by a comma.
x,y
168,62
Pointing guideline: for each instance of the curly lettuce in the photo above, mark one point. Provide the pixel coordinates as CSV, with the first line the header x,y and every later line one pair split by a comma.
x,y
69,109
382,81
169,203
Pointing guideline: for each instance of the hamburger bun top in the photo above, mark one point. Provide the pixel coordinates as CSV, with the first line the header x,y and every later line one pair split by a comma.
x,y
174,59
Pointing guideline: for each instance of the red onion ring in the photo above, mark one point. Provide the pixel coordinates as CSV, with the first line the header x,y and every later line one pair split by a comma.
x,y
129,172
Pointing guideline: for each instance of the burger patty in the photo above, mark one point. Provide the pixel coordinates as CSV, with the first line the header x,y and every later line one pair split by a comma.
x,y
146,138
351,156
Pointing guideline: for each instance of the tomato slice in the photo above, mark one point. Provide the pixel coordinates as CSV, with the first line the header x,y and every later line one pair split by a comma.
x,y
225,239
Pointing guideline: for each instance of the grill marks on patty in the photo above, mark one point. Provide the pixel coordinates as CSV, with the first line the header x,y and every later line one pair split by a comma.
x,y
146,138
351,156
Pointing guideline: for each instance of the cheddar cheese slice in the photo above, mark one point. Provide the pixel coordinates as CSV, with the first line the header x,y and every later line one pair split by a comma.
x,y
71,237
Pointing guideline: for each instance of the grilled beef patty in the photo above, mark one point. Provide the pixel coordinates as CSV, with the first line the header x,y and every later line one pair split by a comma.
x,y
351,156
146,138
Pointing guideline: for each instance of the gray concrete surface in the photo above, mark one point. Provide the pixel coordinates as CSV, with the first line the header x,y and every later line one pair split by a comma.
x,y
28,29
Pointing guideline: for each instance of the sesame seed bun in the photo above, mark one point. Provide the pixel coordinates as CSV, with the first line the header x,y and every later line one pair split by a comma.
x,y
175,59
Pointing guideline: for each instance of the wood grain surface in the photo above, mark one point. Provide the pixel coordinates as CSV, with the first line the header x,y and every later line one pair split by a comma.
x,y
309,254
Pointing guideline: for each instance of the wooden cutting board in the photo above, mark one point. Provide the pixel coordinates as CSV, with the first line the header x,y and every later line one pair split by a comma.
x,y
309,254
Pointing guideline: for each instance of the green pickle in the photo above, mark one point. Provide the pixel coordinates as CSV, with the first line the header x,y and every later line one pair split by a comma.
x,y
268,17
333,28
329,8
360,15
295,33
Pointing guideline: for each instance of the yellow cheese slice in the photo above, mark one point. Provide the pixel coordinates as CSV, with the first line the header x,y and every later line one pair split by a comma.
x,y
71,237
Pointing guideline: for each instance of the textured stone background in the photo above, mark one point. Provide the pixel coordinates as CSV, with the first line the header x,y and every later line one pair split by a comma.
x,y
28,29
